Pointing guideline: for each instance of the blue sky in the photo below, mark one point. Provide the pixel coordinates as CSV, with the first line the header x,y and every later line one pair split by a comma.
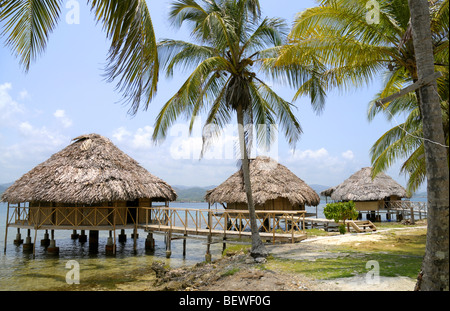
x,y
64,95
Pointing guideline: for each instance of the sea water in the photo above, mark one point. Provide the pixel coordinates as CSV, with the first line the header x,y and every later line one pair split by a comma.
x,y
19,271
97,271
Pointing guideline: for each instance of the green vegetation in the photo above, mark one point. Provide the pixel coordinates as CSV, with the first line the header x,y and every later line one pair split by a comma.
x,y
399,254
340,211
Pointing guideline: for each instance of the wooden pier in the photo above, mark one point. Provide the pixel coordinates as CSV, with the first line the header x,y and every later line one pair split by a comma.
x,y
274,226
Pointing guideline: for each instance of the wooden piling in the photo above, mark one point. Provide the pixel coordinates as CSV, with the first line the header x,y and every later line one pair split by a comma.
x,y
150,242
168,244
45,241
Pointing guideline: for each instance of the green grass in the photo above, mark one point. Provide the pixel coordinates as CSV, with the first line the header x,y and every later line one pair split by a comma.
x,y
236,248
351,265
230,271
400,254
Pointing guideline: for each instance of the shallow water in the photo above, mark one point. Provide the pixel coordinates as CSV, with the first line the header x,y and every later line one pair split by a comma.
x,y
19,271
125,270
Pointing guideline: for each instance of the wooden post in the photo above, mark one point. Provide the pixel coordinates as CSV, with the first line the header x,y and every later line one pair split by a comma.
x,y
292,228
6,229
34,243
150,242
208,245
184,245
135,229
413,222
169,244
114,227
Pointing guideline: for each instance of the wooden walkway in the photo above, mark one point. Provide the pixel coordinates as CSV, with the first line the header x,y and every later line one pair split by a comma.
x,y
274,226
327,224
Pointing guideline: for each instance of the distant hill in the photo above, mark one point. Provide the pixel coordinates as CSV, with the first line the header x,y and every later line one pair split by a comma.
x,y
197,194
191,194
3,187
319,188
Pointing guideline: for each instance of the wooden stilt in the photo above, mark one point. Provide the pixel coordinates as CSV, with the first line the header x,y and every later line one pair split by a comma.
x,y
224,244
150,242
6,229
184,245
208,246
34,243
168,244
28,246
45,241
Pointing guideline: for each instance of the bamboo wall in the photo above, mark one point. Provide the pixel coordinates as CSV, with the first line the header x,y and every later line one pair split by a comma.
x,y
119,213
279,204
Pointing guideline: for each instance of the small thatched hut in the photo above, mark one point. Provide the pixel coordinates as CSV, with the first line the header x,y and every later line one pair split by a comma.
x,y
367,193
274,187
89,185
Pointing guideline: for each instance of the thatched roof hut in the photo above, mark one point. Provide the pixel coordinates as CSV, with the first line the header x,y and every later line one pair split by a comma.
x,y
274,186
88,171
361,187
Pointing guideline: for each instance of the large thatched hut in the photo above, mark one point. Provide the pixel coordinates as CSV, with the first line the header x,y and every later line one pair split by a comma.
x,y
274,187
89,185
367,193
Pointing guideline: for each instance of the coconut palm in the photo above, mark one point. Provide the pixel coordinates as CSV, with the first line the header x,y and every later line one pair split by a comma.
x,y
132,59
356,52
230,41
357,48
404,141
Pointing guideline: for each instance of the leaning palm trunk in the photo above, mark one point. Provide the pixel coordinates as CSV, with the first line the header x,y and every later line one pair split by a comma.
x,y
258,248
435,266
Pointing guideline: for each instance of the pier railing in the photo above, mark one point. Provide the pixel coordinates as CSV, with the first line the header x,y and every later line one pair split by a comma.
x,y
407,208
44,217
224,222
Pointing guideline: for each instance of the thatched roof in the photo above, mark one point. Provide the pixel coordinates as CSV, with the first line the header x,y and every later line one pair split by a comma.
x,y
270,180
90,170
361,187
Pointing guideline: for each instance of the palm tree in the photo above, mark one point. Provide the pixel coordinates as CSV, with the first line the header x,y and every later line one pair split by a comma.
x,y
355,52
232,42
435,266
404,141
132,59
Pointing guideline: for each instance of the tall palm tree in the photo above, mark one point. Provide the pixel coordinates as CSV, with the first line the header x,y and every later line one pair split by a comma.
x,y
231,41
132,59
356,52
404,141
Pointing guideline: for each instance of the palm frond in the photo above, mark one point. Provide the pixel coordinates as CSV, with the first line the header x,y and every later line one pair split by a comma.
x,y
132,58
28,24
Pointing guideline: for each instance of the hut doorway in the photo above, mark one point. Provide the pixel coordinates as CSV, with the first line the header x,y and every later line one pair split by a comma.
x,y
132,211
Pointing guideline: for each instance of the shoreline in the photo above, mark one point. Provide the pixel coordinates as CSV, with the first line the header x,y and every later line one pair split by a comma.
x,y
237,271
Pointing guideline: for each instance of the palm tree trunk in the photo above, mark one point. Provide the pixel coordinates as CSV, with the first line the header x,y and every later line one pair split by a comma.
x,y
435,266
258,248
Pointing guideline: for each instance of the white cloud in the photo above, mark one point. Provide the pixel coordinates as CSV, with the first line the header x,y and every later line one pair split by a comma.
x,y
320,166
142,139
24,95
348,155
24,144
9,108
121,133
321,153
61,116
